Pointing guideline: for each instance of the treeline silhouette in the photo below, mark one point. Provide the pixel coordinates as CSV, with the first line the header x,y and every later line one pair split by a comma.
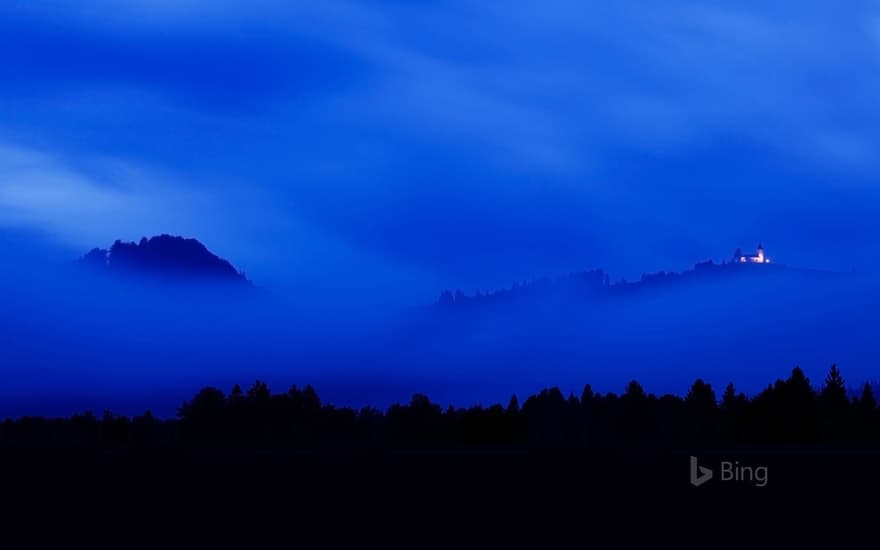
x,y
788,413
164,256
597,283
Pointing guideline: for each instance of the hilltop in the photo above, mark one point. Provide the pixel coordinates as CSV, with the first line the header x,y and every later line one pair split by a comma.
x,y
164,257
597,284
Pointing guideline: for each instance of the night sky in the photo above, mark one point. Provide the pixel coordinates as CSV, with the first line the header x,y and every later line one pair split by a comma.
x,y
453,143
381,151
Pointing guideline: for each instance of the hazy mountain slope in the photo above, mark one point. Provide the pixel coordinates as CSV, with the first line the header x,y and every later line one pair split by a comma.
x,y
163,256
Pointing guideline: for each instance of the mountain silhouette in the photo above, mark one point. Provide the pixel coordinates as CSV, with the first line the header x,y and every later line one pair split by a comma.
x,y
740,317
164,257
596,285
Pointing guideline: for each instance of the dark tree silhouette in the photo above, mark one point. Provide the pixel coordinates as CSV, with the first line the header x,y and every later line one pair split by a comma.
x,y
205,404
787,413
634,421
834,390
258,393
701,409
236,394
513,405
95,258
867,403
835,405
867,425
446,298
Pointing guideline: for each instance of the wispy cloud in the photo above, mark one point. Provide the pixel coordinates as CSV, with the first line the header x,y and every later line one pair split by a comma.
x,y
529,135
544,83
43,191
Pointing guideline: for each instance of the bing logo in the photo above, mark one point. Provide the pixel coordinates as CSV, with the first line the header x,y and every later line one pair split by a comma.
x,y
730,471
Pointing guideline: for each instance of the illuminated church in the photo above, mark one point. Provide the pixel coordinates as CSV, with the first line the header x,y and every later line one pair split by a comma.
x,y
756,258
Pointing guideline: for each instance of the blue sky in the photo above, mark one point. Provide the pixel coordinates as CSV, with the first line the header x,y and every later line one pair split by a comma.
x,y
386,150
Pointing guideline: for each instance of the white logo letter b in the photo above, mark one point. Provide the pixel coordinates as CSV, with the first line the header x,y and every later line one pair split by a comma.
x,y
699,474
